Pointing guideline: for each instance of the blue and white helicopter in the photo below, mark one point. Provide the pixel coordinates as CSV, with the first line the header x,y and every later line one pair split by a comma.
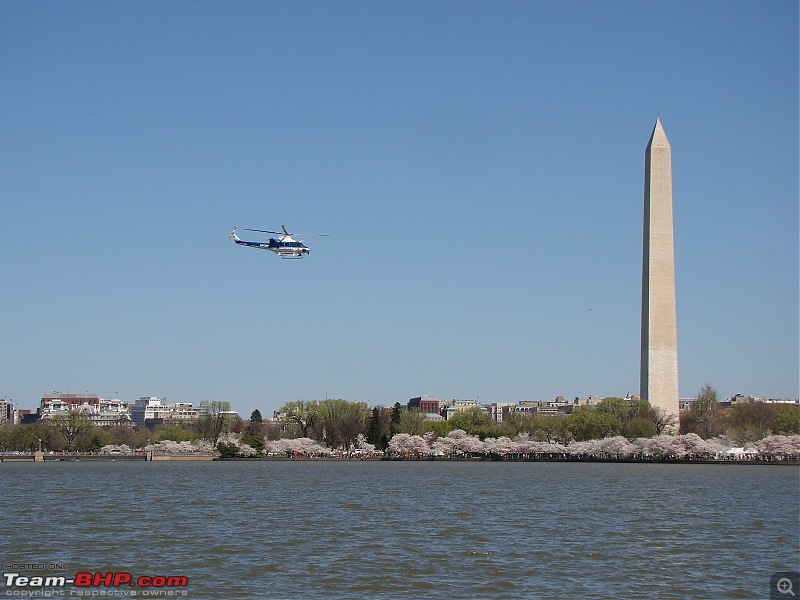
x,y
285,246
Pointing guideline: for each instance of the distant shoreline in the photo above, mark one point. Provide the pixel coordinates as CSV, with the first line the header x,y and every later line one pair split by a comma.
x,y
567,459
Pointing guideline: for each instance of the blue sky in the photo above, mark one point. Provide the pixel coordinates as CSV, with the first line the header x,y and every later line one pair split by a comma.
x,y
479,166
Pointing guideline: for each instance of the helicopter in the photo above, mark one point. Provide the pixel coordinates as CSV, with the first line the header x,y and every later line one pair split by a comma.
x,y
285,246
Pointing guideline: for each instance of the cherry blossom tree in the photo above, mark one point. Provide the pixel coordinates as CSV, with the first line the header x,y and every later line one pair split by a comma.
x,y
116,449
170,447
362,446
501,446
787,446
304,446
403,444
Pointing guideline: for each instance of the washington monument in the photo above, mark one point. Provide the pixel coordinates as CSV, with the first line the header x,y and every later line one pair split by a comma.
x,y
659,366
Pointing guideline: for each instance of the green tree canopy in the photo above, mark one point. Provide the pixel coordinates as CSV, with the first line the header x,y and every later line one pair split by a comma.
x,y
412,422
301,414
548,428
71,426
374,428
176,433
751,421
787,421
474,421
397,412
639,427
338,422
618,407
25,438
587,423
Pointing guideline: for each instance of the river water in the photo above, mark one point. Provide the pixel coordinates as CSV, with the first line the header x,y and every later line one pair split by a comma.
x,y
306,529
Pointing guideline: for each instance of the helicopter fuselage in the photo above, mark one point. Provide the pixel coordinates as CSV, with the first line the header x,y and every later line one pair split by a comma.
x,y
285,248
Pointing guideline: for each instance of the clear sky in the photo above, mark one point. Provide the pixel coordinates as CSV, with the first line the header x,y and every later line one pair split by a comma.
x,y
479,166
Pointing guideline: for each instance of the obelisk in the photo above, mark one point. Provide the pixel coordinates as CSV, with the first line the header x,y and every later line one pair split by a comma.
x,y
659,363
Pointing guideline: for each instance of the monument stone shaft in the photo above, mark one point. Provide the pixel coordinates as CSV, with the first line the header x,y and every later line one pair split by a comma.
x,y
659,362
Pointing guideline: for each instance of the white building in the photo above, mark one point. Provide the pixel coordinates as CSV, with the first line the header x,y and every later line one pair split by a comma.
x,y
103,413
6,412
455,406
498,409
151,410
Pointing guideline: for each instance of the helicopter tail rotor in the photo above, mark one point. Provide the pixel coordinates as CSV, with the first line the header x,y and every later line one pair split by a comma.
x,y
233,233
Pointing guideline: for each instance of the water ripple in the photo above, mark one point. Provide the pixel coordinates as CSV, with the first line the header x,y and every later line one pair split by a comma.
x,y
274,530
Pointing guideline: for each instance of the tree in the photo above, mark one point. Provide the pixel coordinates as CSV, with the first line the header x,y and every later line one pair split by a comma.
x,y
475,422
439,428
256,442
71,425
26,437
618,407
176,433
339,421
92,441
301,414
353,421
403,444
704,417
586,423
514,423
639,427
787,421
374,427
229,450
214,423
143,437
547,428
253,434
122,435
255,426
748,422
411,422
397,412
272,431
663,421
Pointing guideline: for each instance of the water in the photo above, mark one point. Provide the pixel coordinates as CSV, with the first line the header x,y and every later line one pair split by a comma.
x,y
304,529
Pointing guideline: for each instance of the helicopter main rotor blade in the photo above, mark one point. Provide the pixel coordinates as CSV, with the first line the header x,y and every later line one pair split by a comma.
x,y
262,231
317,234
284,232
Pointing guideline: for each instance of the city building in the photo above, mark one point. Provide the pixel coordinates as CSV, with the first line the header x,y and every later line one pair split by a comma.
x,y
25,416
150,411
6,412
558,407
70,400
101,412
430,404
207,408
454,406
498,409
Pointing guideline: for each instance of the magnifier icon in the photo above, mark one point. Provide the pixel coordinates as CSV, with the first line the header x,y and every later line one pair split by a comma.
x,y
784,586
